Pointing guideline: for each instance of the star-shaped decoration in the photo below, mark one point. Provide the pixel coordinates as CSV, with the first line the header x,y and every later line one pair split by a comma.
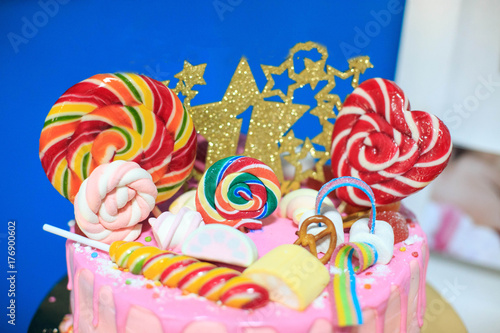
x,y
269,89
188,78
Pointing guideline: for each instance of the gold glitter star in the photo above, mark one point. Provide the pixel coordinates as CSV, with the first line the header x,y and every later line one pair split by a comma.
x,y
188,78
217,122
269,121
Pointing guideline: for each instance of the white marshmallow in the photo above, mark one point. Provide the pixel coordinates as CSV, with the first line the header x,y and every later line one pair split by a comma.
x,y
382,240
331,213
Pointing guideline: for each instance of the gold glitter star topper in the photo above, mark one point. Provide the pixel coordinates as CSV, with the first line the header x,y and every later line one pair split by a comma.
x,y
270,136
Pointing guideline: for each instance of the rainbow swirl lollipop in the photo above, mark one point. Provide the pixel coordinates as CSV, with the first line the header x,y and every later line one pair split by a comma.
x,y
118,117
237,191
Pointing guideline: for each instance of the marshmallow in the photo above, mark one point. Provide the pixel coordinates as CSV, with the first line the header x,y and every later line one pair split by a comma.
x,y
297,202
382,239
221,243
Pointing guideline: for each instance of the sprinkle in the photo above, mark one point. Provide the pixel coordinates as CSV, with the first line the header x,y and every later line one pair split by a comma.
x,y
368,286
415,254
402,249
412,225
149,286
148,239
52,299
94,255
158,283
156,295
369,273
128,282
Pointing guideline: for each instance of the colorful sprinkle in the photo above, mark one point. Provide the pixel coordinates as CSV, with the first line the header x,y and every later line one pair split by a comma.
x,y
368,286
94,254
415,254
156,295
127,282
402,249
52,299
149,286
369,273
148,239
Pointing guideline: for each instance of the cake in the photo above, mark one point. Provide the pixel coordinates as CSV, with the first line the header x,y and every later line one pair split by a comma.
x,y
375,281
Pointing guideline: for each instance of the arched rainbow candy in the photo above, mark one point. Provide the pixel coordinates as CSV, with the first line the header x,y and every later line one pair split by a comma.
x,y
189,274
237,191
378,139
119,116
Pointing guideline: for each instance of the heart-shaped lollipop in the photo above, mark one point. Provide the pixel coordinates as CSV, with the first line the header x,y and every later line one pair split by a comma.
x,y
380,141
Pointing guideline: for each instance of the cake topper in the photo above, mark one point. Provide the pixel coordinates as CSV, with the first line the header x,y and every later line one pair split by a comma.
x,y
269,136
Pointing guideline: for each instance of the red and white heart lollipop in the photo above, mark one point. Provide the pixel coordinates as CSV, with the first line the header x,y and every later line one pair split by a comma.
x,y
379,140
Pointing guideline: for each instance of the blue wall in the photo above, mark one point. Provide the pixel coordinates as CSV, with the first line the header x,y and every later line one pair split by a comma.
x,y
48,46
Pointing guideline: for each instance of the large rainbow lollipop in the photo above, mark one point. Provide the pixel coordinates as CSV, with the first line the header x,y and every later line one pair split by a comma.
x,y
119,116
237,191
380,141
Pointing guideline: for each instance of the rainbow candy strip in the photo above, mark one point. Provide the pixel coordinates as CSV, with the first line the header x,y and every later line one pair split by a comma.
x,y
120,116
236,191
346,306
189,274
348,309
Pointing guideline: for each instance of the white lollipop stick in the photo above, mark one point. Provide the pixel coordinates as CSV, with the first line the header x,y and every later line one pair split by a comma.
x,y
76,238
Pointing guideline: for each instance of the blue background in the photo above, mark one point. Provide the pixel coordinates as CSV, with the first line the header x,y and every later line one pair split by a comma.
x,y
74,40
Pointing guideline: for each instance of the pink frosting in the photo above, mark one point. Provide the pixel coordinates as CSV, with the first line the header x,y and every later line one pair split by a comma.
x,y
394,300
113,200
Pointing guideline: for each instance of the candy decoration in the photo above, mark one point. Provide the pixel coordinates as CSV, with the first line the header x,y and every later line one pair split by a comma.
x,y
347,308
119,116
297,202
221,243
330,213
398,224
186,199
379,140
241,292
382,239
347,181
178,271
237,191
171,230
306,239
293,275
113,200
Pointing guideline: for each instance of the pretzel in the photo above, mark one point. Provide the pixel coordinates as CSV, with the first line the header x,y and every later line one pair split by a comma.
x,y
308,240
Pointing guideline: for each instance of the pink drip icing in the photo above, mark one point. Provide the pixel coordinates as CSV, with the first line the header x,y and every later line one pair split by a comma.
x,y
121,314
69,264
421,288
76,300
403,297
95,303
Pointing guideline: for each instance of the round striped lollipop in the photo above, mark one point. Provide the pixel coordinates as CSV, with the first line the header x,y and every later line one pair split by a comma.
x,y
119,116
237,191
380,141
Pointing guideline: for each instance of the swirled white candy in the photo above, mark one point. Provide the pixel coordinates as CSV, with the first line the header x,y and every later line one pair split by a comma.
x,y
186,199
170,230
113,200
221,243
295,203
331,213
382,240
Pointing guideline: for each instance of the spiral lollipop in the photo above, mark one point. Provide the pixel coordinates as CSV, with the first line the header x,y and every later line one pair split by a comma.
x,y
113,200
380,141
237,191
118,117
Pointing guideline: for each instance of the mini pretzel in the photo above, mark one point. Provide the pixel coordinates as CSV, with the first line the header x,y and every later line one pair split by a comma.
x,y
308,240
